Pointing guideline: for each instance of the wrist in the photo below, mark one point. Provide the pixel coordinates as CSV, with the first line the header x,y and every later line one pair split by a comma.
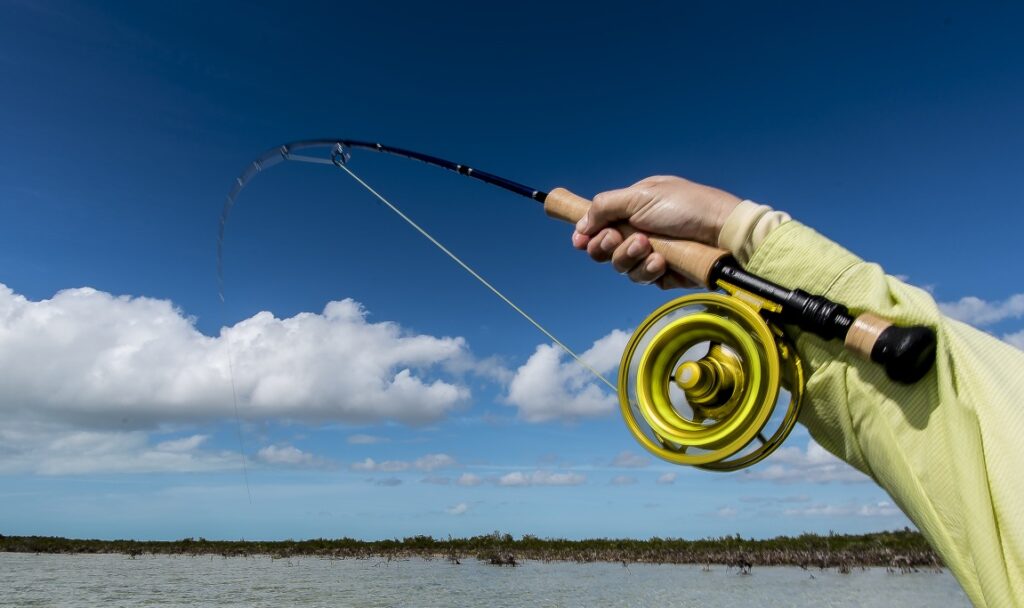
x,y
747,226
725,208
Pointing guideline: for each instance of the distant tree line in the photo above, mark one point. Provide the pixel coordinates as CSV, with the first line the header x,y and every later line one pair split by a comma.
x,y
904,550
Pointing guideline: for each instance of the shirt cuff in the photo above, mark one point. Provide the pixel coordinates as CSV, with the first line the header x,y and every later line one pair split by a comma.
x,y
747,227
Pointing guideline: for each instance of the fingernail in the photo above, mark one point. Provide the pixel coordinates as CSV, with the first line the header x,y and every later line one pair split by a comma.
x,y
607,244
634,249
581,226
651,265
577,239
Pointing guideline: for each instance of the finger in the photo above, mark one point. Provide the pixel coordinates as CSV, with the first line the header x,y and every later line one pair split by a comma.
x,y
610,207
674,280
601,246
649,270
631,252
580,241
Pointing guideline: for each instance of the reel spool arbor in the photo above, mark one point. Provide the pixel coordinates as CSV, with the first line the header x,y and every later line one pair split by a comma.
x,y
706,381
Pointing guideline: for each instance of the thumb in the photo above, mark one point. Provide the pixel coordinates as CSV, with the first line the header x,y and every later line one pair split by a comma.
x,y
610,207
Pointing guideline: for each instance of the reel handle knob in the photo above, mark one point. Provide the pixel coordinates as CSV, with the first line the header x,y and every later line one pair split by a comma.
x,y
693,260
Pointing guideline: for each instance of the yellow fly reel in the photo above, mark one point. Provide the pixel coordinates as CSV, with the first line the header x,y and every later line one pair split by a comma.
x,y
701,381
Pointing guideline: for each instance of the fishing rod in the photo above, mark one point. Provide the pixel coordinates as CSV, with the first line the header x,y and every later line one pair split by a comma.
x,y
731,392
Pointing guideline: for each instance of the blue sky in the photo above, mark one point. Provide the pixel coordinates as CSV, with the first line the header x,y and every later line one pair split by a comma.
x,y
895,130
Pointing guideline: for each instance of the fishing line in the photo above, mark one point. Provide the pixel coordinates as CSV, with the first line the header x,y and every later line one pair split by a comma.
x,y
339,157
340,163
234,392
234,400
731,392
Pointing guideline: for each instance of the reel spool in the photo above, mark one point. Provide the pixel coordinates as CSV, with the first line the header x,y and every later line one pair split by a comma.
x,y
703,378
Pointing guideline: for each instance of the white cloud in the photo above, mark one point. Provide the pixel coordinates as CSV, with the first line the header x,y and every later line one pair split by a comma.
x,y
469,480
1015,339
431,462
90,359
458,509
541,478
551,386
813,465
726,512
116,371
667,478
387,466
427,463
288,455
623,480
49,450
630,460
185,444
360,439
877,509
775,499
980,312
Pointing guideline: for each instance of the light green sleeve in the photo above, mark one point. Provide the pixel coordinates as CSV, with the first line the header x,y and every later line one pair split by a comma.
x,y
948,449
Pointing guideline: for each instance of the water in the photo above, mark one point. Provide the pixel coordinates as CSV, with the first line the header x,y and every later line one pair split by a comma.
x,y
115,580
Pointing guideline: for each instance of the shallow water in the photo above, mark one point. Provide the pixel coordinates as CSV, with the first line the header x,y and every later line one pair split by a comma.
x,y
116,580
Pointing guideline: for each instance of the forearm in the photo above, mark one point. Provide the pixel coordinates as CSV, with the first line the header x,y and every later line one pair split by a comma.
x,y
944,448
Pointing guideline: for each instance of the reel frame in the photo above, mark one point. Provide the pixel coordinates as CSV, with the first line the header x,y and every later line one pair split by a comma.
x,y
736,385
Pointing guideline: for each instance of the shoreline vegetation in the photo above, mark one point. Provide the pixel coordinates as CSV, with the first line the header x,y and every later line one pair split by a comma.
x,y
901,551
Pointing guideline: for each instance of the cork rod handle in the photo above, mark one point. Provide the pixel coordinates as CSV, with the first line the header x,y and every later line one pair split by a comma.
x,y
693,260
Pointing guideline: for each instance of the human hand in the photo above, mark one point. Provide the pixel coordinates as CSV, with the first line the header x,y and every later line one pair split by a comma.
x,y
658,205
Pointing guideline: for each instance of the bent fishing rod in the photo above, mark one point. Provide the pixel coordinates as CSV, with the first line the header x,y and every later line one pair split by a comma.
x,y
906,353
731,392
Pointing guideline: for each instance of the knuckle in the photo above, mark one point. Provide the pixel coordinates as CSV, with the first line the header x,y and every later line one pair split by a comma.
x,y
601,203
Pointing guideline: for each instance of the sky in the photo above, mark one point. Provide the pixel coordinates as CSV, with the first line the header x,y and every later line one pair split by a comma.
x,y
381,391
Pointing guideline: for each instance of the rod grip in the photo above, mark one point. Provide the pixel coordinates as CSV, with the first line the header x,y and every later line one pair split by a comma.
x,y
693,260
906,353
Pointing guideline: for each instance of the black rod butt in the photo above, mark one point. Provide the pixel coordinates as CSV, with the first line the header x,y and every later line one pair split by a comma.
x,y
907,353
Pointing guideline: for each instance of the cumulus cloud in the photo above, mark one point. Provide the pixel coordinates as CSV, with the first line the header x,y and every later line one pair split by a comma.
x,y
630,460
360,439
116,371
623,480
96,360
667,478
427,463
813,465
371,465
288,455
726,512
458,509
45,450
882,508
184,444
469,480
980,312
775,499
1015,339
541,478
431,462
551,386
